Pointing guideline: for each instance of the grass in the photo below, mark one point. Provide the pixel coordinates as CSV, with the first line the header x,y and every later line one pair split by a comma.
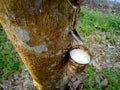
x,y
100,27
89,21
107,79
9,60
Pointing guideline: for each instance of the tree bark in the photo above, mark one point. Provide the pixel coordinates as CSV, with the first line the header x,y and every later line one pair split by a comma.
x,y
39,30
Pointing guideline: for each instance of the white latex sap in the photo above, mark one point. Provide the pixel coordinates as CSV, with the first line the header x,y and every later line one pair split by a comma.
x,y
80,56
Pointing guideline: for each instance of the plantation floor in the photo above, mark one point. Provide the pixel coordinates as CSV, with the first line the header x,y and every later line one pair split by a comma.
x,y
104,53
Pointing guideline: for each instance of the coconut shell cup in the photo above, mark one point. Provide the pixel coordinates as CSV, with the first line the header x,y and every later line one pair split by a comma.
x,y
79,57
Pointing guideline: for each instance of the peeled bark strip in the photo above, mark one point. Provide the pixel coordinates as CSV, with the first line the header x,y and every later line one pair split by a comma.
x,y
39,30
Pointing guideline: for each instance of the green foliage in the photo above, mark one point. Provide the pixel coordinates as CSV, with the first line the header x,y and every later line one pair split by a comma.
x,y
107,79
91,20
9,60
113,78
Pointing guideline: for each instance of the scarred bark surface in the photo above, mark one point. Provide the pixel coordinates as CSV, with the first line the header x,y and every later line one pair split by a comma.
x,y
39,30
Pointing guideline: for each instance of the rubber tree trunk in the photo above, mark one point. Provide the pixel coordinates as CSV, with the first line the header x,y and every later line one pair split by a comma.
x,y
39,30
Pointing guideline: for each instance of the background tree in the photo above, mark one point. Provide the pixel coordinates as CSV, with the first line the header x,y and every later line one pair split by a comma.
x,y
39,30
